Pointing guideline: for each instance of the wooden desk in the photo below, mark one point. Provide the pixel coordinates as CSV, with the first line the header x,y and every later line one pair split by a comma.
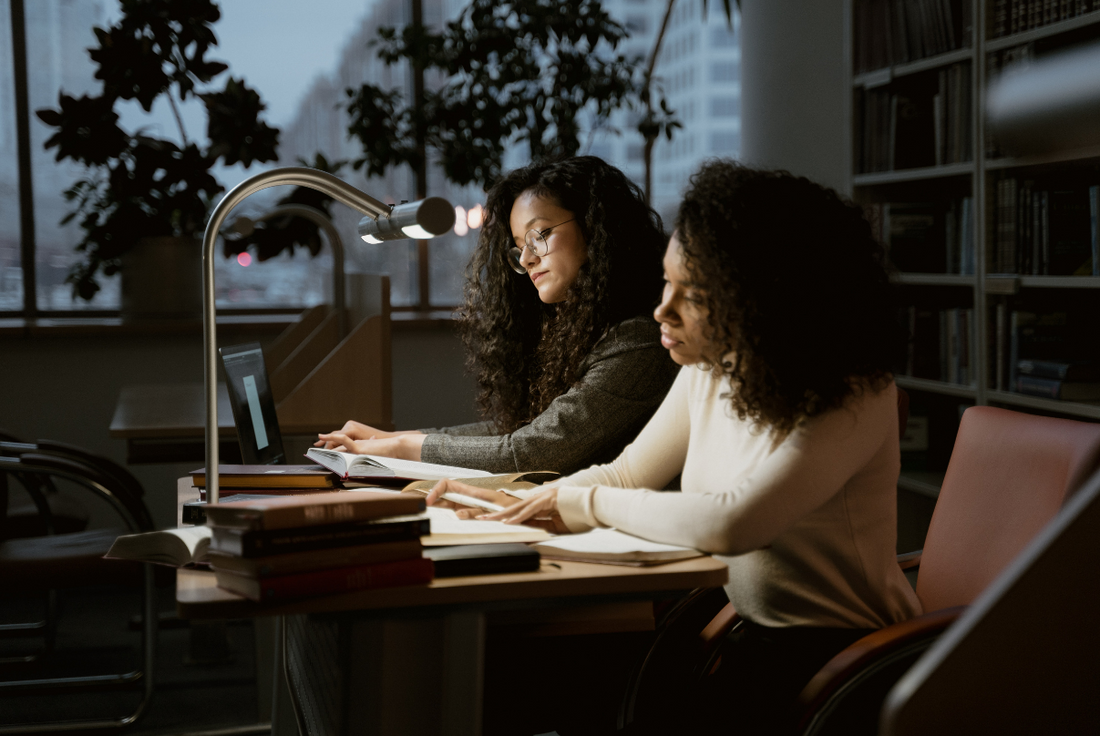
x,y
166,423
409,660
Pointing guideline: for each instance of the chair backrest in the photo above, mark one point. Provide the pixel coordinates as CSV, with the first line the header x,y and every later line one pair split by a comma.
x,y
1009,474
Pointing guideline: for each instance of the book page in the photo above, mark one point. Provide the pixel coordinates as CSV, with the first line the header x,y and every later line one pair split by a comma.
x,y
612,542
176,547
414,469
447,529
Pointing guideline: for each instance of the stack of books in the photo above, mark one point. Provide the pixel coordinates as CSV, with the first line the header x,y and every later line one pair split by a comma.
x,y
276,549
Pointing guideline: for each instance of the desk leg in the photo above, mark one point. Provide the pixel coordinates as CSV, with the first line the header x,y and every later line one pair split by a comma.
x,y
419,674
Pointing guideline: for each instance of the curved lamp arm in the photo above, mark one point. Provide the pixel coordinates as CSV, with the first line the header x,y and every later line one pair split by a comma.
x,y
296,175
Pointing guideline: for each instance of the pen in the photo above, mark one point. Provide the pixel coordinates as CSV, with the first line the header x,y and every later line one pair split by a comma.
x,y
464,500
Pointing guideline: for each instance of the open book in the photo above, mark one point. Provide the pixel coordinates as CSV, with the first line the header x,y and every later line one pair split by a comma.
x,y
183,547
612,547
349,466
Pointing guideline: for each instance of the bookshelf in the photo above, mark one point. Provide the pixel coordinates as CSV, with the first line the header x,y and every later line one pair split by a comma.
x,y
995,253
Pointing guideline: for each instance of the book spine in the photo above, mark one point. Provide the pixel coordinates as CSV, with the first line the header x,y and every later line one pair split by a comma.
x,y
1047,388
319,514
1094,227
322,559
345,580
284,541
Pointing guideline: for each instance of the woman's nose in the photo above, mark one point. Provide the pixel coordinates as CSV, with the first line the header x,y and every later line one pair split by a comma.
x,y
527,258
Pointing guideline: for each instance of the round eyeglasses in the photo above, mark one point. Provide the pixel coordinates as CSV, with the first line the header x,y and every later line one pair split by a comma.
x,y
535,241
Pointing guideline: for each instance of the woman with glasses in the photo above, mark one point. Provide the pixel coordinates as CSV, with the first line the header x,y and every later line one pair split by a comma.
x,y
556,325
784,425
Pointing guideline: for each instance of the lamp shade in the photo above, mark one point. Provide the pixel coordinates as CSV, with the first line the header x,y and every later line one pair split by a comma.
x,y
423,219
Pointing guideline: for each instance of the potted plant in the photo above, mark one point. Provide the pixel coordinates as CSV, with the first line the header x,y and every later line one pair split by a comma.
x,y
145,200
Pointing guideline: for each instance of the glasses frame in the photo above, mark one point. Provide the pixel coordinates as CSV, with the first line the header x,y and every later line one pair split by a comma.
x,y
515,253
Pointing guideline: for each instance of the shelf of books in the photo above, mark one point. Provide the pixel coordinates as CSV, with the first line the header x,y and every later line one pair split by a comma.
x,y
996,255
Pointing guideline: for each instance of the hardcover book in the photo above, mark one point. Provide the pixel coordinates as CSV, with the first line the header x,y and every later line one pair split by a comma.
x,y
258,543
320,559
267,476
328,582
314,510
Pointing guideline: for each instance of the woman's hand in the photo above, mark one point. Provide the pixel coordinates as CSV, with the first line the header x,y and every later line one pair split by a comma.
x,y
540,510
402,445
357,432
435,498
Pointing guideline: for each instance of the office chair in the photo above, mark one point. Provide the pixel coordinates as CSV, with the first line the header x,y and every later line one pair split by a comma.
x,y
24,518
55,561
686,647
1008,476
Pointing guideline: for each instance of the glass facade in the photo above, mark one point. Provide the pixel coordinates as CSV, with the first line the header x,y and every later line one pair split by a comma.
x,y
698,71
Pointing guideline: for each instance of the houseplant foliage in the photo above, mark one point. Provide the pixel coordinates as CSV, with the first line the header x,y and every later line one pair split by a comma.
x,y
517,72
138,186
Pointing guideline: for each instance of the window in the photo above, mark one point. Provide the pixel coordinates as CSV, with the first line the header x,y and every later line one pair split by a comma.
x,y
724,143
724,71
636,24
296,63
724,107
722,36
635,152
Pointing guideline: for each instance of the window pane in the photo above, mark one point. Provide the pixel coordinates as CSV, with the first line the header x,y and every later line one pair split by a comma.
x,y
11,271
58,32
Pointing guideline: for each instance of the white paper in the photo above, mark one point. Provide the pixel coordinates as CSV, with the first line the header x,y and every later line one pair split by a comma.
x,y
608,541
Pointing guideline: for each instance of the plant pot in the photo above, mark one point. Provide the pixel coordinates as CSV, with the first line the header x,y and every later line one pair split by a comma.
x,y
162,279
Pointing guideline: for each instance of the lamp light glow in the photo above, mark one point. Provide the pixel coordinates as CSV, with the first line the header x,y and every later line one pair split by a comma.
x,y
368,238
421,220
475,216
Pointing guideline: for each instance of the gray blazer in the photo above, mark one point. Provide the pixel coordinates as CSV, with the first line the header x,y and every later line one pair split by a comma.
x,y
622,382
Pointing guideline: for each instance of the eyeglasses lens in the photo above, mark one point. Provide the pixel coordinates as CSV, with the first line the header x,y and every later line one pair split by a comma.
x,y
515,255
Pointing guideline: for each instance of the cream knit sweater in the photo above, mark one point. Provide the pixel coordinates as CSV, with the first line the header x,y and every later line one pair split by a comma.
x,y
806,523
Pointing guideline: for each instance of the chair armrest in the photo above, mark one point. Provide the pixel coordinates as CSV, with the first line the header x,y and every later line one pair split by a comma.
x,y
910,560
870,649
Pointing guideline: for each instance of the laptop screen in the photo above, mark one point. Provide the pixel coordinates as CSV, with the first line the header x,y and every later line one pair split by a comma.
x,y
253,406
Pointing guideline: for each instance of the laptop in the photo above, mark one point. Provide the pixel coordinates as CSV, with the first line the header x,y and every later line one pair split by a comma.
x,y
253,406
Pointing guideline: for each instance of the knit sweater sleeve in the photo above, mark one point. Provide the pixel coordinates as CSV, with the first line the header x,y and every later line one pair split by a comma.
x,y
807,468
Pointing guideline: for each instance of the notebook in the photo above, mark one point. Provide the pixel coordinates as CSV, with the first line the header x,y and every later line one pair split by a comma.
x,y
253,406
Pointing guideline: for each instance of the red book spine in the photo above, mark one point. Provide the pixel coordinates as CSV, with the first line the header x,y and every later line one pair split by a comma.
x,y
347,579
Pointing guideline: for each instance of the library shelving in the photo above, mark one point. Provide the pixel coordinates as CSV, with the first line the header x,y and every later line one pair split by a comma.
x,y
996,254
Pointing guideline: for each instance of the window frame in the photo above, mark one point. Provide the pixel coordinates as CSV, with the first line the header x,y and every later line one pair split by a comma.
x,y
27,233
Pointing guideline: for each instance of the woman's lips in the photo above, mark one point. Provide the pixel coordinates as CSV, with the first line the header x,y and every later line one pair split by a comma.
x,y
669,343
536,276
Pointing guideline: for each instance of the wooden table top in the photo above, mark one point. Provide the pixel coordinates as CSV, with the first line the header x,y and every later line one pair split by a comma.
x,y
197,594
168,411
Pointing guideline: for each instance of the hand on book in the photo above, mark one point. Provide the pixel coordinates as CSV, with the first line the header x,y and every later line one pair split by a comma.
x,y
365,440
540,510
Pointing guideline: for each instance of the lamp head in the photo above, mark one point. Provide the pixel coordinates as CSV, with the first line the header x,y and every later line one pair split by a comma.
x,y
420,220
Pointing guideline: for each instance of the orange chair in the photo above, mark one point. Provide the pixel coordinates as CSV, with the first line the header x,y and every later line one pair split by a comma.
x,y
1008,476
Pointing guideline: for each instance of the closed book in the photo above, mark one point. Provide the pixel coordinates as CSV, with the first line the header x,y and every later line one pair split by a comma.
x,y
1052,388
328,582
258,543
268,476
194,512
314,510
482,559
264,492
318,559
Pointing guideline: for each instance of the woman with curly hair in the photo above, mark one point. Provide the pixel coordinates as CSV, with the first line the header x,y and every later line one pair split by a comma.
x,y
784,425
556,326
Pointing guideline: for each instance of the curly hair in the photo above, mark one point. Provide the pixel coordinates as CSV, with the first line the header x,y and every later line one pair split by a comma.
x,y
800,312
522,352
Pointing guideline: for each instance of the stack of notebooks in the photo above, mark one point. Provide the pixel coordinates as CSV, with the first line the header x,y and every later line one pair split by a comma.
x,y
274,549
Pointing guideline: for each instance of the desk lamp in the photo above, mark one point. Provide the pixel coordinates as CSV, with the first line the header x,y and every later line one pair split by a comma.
x,y
426,218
